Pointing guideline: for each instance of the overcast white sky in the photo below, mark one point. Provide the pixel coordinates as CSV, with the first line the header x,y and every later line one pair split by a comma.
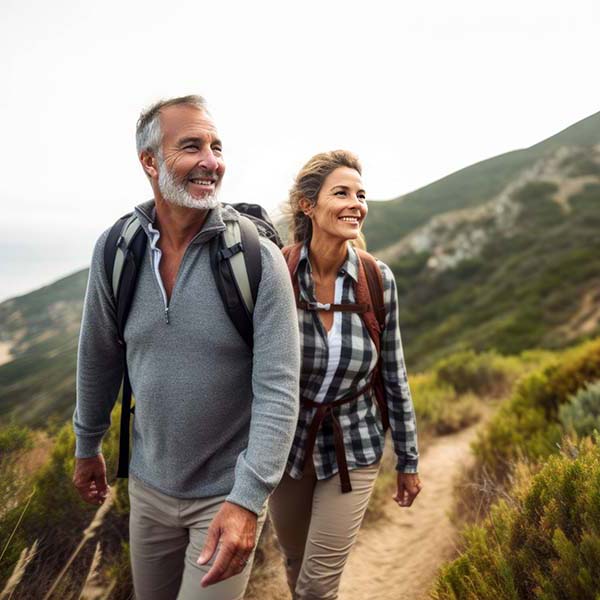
x,y
416,89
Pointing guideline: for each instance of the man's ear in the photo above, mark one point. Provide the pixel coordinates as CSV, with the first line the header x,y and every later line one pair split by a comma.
x,y
306,206
149,164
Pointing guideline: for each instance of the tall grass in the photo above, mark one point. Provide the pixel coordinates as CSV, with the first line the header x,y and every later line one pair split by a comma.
x,y
18,573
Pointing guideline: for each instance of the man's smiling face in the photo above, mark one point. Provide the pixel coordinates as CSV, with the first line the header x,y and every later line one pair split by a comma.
x,y
190,161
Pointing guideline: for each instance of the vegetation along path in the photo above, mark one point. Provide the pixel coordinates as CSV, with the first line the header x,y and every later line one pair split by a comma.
x,y
398,558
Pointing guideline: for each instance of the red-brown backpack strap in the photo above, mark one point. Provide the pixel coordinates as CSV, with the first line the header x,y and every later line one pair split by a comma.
x,y
370,289
292,258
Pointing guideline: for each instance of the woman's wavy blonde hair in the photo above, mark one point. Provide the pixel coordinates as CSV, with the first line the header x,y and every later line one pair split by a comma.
x,y
308,184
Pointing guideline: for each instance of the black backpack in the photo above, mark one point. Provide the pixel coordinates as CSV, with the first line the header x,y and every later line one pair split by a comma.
x,y
236,265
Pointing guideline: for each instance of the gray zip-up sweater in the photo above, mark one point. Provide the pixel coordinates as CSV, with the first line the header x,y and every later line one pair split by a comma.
x,y
211,417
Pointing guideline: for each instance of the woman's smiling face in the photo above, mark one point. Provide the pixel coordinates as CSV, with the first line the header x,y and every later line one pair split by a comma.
x,y
341,205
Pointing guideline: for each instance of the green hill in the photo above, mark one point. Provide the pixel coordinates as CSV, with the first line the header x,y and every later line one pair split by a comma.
x,y
41,330
472,186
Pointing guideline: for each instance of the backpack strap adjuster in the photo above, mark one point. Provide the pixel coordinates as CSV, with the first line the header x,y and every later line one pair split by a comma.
x,y
227,253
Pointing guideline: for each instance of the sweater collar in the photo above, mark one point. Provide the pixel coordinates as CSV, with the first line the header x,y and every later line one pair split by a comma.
x,y
213,225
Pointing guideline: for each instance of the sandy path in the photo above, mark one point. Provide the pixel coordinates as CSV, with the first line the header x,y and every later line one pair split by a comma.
x,y
398,558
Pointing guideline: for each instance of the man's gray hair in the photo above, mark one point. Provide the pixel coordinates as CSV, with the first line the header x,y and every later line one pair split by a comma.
x,y
148,135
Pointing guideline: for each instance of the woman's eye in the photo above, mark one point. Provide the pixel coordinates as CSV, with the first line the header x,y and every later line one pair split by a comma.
x,y
340,192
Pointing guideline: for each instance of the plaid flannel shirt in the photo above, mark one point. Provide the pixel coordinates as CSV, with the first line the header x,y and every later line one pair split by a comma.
x,y
359,419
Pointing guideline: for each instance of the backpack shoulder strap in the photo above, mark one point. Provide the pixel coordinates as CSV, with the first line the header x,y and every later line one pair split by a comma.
x,y
237,267
292,258
369,289
123,253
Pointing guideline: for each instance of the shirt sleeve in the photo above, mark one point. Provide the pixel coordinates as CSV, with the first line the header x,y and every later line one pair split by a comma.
x,y
275,385
99,360
397,392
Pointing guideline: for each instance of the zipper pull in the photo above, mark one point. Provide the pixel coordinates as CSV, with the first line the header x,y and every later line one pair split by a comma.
x,y
167,315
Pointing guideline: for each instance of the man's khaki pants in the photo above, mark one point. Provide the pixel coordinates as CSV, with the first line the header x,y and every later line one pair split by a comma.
x,y
316,526
166,537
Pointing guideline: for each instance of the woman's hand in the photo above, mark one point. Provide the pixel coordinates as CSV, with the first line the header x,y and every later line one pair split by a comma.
x,y
409,486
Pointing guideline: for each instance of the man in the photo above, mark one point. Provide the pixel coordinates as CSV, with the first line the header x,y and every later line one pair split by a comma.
x,y
214,419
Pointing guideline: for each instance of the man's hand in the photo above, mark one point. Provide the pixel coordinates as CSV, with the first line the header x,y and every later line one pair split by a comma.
x,y
233,530
90,479
409,486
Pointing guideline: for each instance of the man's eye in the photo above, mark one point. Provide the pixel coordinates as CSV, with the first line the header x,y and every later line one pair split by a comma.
x,y
191,148
217,149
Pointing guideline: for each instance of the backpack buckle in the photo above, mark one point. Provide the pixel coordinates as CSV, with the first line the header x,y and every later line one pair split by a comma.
x,y
318,306
227,253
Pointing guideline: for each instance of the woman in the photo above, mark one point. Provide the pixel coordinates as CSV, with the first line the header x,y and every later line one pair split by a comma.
x,y
319,505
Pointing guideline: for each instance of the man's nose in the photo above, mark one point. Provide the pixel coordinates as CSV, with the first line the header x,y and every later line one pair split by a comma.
x,y
208,160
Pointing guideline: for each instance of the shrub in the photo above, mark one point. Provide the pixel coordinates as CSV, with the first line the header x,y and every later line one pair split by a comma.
x,y
528,426
486,374
56,516
582,413
13,439
544,544
439,409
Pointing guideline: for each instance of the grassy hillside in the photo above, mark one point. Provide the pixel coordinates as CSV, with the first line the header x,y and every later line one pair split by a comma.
x,y
538,286
389,221
41,328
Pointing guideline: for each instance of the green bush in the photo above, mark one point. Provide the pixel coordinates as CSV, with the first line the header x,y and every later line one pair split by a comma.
x,y
582,413
486,374
438,408
528,426
56,517
544,543
14,438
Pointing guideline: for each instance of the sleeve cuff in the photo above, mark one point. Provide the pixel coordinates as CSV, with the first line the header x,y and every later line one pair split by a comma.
x,y
249,489
88,446
407,466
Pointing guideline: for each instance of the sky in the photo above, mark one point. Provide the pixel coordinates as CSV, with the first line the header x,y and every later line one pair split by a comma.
x,y
416,89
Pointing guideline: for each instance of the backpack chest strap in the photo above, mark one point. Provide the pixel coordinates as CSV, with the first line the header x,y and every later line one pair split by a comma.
x,y
355,308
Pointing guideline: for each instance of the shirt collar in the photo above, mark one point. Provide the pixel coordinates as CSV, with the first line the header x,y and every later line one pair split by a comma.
x,y
350,266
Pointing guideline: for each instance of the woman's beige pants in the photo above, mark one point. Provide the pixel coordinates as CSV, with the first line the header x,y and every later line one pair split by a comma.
x,y
316,526
166,537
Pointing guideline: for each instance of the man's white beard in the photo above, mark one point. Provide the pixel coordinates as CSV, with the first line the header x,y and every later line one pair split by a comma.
x,y
175,192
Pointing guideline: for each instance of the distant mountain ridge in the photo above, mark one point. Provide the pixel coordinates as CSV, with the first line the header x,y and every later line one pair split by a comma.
x,y
504,254
515,271
468,187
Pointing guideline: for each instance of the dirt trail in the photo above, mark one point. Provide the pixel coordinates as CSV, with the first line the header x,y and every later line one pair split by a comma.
x,y
398,558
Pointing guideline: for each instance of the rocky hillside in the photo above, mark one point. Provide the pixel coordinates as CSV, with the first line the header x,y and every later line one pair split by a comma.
x,y
520,270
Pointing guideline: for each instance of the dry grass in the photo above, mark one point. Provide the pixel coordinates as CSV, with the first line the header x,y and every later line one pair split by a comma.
x,y
25,558
88,534
92,587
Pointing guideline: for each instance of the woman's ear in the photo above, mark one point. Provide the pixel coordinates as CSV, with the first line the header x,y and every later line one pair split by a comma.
x,y
306,206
